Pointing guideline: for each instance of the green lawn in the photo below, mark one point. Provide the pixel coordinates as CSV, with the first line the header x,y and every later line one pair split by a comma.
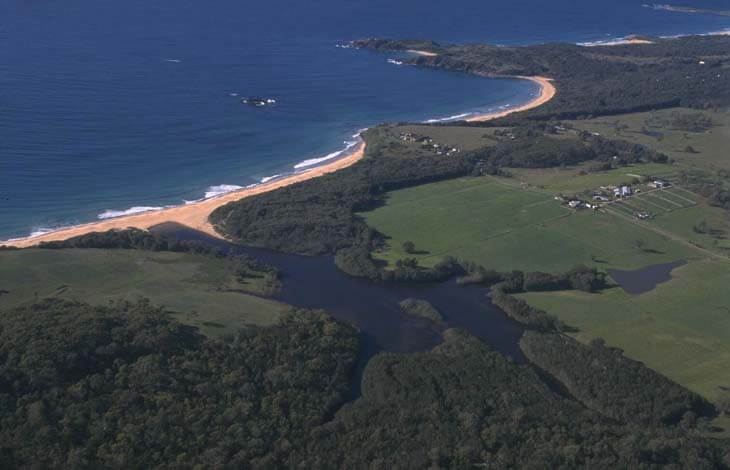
x,y
681,328
199,290
505,227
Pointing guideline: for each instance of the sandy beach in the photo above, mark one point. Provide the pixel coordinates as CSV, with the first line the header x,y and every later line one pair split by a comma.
x,y
621,42
192,215
424,53
547,92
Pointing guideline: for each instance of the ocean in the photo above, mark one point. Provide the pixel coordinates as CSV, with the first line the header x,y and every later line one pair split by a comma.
x,y
113,107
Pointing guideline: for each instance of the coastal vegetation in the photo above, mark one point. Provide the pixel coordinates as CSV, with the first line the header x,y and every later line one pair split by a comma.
x,y
87,391
95,375
421,308
605,380
124,386
499,209
604,80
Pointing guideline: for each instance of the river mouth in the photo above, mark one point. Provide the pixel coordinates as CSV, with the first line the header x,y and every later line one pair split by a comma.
x,y
639,281
372,307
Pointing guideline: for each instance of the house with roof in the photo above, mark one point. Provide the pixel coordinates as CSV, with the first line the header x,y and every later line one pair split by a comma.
x,y
623,191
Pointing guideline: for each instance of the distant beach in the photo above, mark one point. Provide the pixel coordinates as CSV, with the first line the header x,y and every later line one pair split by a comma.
x,y
423,53
616,42
547,92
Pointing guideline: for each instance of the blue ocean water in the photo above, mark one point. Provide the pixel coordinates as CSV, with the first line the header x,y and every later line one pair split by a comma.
x,y
111,106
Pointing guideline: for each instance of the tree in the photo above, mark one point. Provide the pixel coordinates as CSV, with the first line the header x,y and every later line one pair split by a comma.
x,y
690,149
407,263
409,247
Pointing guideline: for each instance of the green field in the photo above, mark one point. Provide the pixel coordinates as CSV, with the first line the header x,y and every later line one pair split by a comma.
x,y
710,146
506,227
199,290
681,328
465,138
576,179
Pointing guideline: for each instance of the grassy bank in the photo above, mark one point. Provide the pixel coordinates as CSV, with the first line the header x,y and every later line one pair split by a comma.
x,y
184,283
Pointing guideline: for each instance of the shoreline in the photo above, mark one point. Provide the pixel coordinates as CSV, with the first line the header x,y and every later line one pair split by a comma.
x,y
423,53
617,42
547,92
193,215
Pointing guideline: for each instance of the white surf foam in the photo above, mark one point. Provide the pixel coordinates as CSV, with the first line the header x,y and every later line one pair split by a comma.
x,y
330,156
349,144
175,61
220,189
725,32
36,232
266,179
110,214
450,118
42,231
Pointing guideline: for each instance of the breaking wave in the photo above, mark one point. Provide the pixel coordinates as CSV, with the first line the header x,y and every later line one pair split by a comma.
x,y
266,179
110,214
349,144
450,118
220,189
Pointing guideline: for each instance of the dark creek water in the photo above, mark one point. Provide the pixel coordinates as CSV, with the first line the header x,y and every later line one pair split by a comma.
x,y
315,282
644,279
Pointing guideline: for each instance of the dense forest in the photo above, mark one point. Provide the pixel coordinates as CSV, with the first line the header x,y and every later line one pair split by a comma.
x,y
596,80
606,381
126,387
123,386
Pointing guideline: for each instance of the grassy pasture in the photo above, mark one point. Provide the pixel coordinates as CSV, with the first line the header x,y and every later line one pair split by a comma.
x,y
680,328
575,179
465,138
710,146
200,291
506,227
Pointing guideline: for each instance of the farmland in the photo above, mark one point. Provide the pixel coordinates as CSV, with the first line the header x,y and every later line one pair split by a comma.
x,y
507,227
680,328
198,290
659,130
